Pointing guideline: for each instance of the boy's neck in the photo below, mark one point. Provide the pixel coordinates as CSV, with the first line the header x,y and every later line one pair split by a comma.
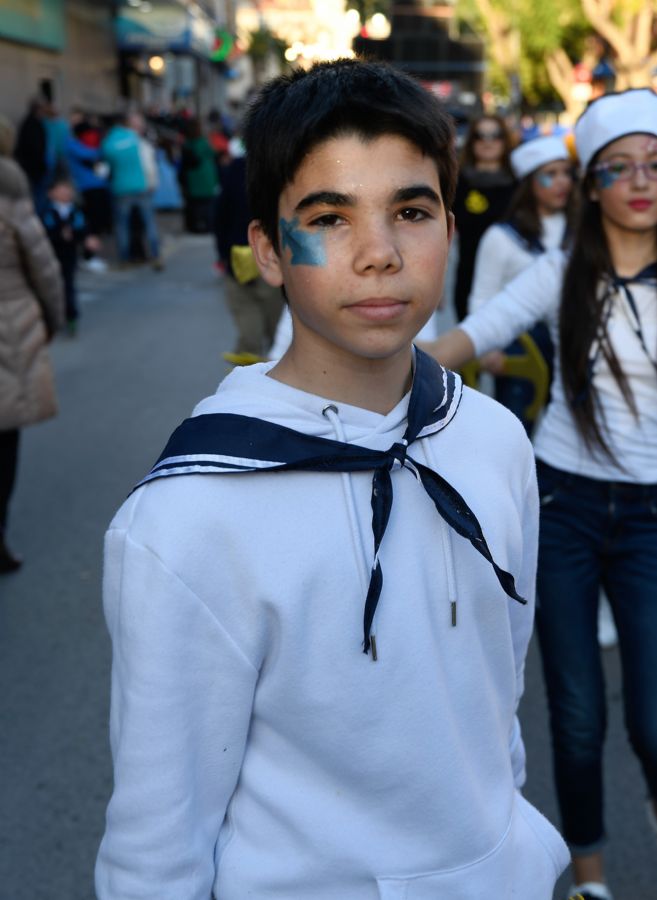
x,y
373,384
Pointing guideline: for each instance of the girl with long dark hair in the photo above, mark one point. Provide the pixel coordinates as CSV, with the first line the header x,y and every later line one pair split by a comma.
x,y
539,219
596,451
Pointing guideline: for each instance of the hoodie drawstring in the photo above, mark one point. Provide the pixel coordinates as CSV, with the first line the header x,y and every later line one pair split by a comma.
x,y
332,413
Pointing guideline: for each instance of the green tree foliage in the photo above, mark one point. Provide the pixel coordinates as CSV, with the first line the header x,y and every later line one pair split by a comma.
x,y
521,35
264,42
541,42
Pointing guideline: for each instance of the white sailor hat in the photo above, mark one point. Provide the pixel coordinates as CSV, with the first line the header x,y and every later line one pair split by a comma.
x,y
613,116
535,153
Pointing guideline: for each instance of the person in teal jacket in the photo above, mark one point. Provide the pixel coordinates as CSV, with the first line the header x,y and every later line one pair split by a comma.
x,y
123,150
199,179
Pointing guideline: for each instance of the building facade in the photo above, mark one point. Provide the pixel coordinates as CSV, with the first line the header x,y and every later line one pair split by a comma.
x,y
97,54
63,50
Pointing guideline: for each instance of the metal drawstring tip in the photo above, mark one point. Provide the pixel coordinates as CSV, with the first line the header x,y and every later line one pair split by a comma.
x,y
373,648
453,604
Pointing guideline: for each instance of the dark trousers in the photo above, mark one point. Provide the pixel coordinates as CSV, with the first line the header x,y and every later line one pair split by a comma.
x,y
595,533
97,203
199,214
68,267
8,466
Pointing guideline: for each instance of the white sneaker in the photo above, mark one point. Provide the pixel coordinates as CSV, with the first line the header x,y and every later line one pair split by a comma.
x,y
95,264
590,890
607,634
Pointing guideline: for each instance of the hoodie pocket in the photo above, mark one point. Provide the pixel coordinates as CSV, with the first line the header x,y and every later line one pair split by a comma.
x,y
525,863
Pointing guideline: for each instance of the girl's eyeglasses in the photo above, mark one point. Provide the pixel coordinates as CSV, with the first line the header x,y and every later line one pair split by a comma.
x,y
625,170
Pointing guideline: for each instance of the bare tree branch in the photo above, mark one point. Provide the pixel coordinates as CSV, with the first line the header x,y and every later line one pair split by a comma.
x,y
598,12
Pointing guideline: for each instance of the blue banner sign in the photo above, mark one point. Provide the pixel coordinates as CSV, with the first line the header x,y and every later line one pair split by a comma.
x,y
36,22
164,25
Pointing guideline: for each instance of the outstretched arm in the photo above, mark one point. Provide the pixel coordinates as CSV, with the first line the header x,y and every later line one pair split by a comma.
x,y
532,297
452,349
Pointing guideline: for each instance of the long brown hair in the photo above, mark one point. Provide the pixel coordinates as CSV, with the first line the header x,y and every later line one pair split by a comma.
x,y
523,214
582,319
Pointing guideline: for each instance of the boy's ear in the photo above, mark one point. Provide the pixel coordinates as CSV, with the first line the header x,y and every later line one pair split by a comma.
x,y
265,256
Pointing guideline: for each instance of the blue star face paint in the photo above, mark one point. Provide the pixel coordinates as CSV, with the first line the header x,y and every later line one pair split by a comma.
x,y
545,179
606,176
307,247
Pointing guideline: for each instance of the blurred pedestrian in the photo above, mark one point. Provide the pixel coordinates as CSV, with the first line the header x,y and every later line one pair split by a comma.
x,y
58,130
539,219
123,149
31,151
88,174
483,193
596,450
66,226
31,310
254,305
199,180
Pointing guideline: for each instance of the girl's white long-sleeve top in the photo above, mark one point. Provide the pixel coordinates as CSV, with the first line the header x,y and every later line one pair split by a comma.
x,y
502,255
258,752
535,295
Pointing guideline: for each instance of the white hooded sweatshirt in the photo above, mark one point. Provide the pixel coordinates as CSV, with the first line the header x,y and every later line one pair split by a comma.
x,y
258,752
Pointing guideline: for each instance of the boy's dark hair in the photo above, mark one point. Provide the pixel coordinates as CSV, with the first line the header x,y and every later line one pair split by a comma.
x,y
293,113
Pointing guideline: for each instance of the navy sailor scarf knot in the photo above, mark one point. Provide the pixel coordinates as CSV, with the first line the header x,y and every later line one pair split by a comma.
x,y
219,443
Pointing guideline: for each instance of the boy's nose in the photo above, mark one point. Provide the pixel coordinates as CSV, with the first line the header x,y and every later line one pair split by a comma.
x,y
376,249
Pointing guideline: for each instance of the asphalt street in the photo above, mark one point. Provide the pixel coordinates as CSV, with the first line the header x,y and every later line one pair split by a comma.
x,y
149,348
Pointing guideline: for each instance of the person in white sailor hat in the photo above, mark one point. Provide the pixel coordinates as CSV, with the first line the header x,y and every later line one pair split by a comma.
x,y
538,219
596,450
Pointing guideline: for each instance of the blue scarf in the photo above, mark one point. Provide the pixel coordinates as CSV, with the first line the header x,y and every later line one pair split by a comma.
x,y
219,443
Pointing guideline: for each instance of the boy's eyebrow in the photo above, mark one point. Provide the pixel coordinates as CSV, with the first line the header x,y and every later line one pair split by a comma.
x,y
416,190
334,198
328,198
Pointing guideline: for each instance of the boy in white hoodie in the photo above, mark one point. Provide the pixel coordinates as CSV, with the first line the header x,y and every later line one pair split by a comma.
x,y
318,702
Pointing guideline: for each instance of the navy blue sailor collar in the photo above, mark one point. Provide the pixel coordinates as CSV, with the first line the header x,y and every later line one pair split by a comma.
x,y
222,443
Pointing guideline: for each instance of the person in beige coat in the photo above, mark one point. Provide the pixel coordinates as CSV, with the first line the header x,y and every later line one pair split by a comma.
x,y
31,310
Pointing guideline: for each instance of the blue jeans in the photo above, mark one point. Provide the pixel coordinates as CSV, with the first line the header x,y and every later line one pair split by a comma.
x,y
595,533
123,205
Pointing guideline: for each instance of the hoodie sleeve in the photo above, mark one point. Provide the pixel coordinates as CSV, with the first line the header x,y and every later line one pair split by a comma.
x,y
182,693
522,617
491,263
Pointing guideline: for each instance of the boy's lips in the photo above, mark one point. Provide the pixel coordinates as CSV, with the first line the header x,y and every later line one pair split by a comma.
x,y
378,308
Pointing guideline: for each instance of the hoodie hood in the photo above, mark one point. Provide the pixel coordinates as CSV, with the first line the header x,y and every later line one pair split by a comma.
x,y
249,391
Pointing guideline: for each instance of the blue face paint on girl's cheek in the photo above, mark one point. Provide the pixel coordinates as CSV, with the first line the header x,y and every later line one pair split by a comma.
x,y
606,178
307,247
544,179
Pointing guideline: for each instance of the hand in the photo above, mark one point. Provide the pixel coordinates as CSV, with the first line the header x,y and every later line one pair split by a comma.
x,y
92,243
493,362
